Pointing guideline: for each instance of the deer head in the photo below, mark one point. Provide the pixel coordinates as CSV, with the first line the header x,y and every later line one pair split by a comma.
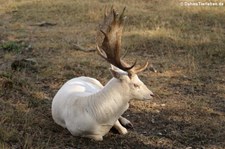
x,y
110,49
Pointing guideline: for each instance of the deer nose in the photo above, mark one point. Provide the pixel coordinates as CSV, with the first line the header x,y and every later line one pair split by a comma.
x,y
152,95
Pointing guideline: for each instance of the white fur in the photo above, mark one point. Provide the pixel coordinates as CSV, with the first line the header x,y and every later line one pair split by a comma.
x,y
88,109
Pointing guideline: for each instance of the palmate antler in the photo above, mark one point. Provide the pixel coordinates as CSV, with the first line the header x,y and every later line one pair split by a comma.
x,y
110,49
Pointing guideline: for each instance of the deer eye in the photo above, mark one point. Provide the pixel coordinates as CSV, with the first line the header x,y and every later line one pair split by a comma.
x,y
136,86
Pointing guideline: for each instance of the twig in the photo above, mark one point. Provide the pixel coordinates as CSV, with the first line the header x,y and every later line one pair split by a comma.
x,y
78,47
44,24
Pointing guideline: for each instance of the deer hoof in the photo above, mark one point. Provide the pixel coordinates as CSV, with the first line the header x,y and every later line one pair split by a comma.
x,y
129,125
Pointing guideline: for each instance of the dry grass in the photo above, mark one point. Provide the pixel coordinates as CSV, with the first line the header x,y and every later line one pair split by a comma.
x,y
185,44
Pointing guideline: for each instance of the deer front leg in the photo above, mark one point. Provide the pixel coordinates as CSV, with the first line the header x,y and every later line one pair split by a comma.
x,y
125,122
120,128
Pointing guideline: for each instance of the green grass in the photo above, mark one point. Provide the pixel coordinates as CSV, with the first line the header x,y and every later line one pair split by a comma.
x,y
11,46
185,44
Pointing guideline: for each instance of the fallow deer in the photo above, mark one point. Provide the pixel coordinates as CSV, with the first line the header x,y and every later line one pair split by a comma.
x,y
87,108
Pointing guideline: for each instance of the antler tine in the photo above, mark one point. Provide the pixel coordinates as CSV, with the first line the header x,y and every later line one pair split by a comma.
x,y
122,17
114,14
140,69
101,53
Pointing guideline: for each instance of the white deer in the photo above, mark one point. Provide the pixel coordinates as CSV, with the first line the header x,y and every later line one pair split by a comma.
x,y
87,108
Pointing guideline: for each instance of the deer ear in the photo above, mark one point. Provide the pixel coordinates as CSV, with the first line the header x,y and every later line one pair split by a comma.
x,y
117,73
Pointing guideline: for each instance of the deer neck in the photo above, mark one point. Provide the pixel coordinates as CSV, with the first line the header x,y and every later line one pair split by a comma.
x,y
110,102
